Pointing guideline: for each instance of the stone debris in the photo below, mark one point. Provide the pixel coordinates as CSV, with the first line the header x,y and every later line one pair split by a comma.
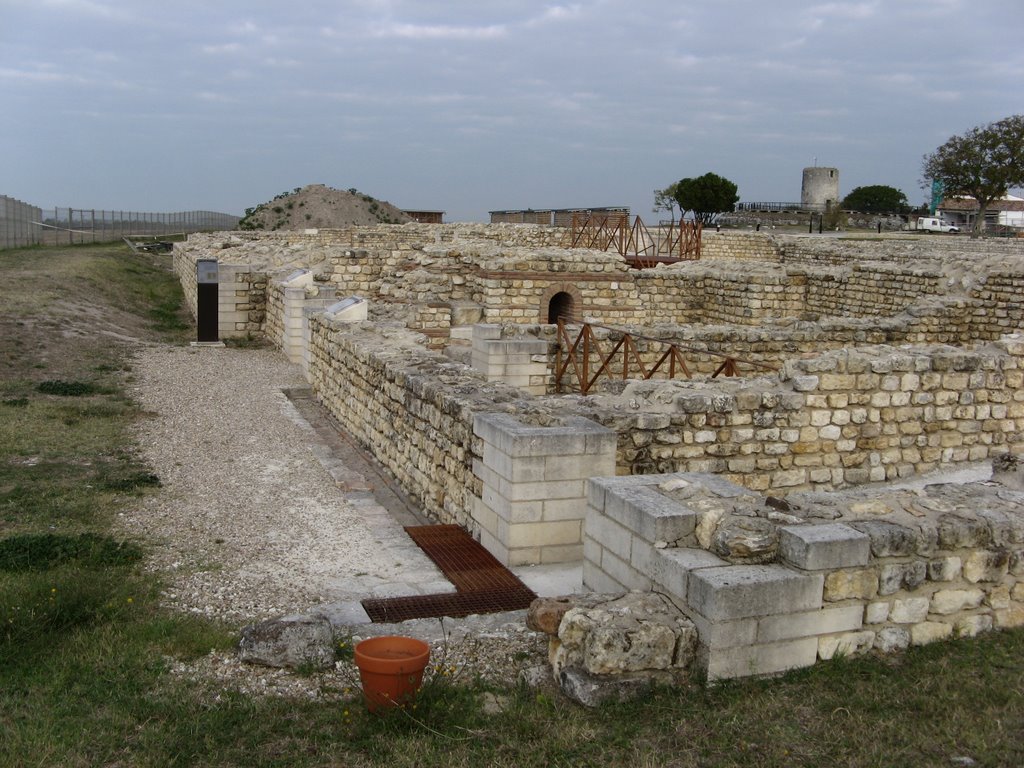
x,y
612,647
292,641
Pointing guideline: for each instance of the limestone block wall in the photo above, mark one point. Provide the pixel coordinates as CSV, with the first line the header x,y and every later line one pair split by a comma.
x,y
997,305
747,294
867,290
739,245
241,300
183,262
475,268
842,418
521,362
838,419
516,481
903,250
288,315
412,408
843,573
516,287
533,478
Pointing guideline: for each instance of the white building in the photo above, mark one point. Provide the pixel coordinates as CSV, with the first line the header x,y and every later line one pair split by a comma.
x,y
962,211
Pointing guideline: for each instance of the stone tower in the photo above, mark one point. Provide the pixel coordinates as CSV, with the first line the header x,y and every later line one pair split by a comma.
x,y
820,188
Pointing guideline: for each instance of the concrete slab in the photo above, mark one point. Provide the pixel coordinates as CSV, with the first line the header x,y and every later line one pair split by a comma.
x,y
551,580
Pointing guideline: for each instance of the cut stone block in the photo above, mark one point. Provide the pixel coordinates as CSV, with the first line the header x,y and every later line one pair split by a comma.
x,y
819,547
597,580
725,634
741,591
574,435
648,513
825,621
768,659
672,567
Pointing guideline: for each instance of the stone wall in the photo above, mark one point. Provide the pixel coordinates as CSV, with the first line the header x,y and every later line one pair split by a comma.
x,y
891,250
496,273
839,419
412,408
183,262
842,418
998,305
737,245
773,586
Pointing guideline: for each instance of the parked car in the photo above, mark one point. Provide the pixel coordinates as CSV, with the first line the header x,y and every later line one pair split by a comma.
x,y
933,224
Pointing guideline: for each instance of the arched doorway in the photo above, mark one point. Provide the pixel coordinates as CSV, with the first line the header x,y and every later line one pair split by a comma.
x,y
562,306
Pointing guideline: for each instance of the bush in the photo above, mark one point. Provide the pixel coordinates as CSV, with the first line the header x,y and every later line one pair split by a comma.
x,y
67,388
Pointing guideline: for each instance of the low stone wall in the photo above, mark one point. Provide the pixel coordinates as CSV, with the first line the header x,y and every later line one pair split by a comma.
x,y
412,408
534,474
473,453
842,418
737,245
486,273
772,586
997,306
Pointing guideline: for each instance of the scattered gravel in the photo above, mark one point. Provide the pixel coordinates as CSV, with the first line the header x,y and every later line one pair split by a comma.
x,y
249,525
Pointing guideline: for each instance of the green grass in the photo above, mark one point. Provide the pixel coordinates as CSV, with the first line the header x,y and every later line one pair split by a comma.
x,y
86,648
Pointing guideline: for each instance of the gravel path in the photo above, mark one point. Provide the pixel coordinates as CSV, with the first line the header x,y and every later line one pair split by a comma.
x,y
250,524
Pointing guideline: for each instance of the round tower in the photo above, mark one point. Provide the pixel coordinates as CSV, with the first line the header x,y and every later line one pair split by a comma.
x,y
820,188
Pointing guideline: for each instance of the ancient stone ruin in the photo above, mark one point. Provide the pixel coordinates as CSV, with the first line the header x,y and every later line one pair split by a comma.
x,y
764,508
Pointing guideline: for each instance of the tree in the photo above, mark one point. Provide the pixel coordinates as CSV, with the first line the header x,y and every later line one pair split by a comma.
x,y
665,200
706,196
877,198
983,163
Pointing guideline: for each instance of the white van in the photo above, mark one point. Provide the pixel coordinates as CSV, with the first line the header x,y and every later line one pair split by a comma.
x,y
931,224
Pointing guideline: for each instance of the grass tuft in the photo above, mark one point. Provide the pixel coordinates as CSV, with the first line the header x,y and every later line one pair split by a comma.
x,y
67,388
41,551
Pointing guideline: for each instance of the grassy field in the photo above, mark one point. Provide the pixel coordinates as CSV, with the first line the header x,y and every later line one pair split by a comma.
x,y
86,648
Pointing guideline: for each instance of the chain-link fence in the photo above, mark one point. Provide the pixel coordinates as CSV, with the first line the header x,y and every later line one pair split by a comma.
x,y
23,224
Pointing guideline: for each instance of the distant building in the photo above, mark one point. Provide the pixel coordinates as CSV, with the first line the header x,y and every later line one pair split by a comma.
x,y
962,211
559,217
426,217
820,189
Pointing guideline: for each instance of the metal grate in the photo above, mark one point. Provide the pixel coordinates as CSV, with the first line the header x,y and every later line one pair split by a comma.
x,y
483,585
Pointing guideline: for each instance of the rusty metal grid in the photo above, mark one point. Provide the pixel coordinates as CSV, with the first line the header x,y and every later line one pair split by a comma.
x,y
454,604
483,585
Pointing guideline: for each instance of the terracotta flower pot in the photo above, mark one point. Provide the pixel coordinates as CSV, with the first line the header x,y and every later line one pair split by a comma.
x,y
391,669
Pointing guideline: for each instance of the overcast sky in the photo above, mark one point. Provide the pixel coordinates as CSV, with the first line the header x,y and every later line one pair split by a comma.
x,y
468,106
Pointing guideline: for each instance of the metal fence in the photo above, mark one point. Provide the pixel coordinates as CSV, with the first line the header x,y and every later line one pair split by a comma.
x,y
771,207
22,224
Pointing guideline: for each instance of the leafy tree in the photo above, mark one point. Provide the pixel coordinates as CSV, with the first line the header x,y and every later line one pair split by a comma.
x,y
706,196
665,200
877,198
983,163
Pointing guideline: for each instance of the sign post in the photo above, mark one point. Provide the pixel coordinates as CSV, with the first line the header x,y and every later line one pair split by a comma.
x,y
206,301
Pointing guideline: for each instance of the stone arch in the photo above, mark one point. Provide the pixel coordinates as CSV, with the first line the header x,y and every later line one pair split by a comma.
x,y
560,299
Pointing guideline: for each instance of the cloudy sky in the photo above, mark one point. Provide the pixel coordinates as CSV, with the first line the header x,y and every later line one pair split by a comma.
x,y
473,105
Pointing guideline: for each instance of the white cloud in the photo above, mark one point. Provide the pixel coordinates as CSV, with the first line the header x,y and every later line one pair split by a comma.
x,y
223,48
440,31
858,11
556,13
943,96
87,7
686,61
212,96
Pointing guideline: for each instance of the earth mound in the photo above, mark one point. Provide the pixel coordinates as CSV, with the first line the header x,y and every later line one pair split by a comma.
x,y
321,207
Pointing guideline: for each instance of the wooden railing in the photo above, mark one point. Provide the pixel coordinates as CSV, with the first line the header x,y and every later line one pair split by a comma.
x,y
638,245
584,361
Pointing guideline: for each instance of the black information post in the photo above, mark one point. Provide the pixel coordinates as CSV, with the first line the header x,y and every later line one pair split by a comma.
x,y
206,301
